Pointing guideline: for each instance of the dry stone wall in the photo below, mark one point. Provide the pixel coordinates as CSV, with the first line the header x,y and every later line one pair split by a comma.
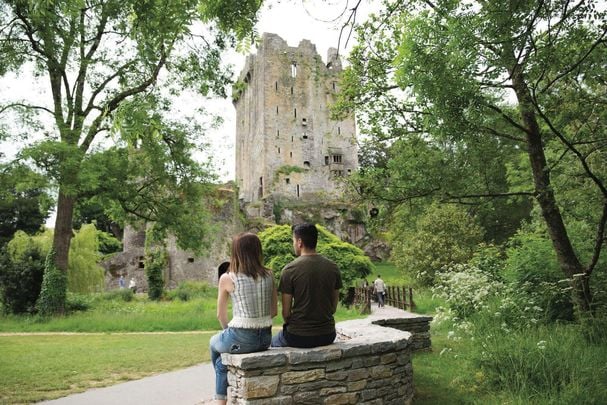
x,y
368,364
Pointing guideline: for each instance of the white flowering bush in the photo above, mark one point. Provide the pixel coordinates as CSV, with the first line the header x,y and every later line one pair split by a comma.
x,y
465,288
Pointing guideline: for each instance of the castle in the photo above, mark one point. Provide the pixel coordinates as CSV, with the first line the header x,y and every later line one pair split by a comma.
x,y
287,148
286,143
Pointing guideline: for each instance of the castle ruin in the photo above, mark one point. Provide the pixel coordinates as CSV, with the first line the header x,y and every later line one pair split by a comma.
x,y
286,143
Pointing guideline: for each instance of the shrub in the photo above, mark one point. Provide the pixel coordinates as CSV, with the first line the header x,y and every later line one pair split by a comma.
x,y
21,280
532,266
277,244
466,289
188,290
78,302
121,294
444,234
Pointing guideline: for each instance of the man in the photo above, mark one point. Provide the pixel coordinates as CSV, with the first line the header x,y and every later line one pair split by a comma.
x,y
379,287
310,290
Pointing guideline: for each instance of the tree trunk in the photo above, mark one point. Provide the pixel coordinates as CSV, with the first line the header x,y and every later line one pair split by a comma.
x,y
63,229
567,259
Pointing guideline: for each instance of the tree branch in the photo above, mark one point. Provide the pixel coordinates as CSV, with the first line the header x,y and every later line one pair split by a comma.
x,y
507,118
112,104
598,241
28,106
573,149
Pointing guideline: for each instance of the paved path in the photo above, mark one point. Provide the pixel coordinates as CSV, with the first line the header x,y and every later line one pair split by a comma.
x,y
193,385
190,386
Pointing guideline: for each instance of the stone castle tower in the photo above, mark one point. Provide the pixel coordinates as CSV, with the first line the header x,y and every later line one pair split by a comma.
x,y
286,143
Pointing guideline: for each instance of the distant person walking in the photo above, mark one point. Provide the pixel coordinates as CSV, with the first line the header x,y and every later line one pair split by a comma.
x,y
250,286
133,285
121,281
310,290
380,290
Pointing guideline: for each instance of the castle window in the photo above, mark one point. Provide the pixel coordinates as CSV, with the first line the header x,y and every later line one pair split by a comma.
x,y
291,89
336,158
276,110
190,260
307,164
298,190
276,86
279,150
338,130
293,69
141,264
326,160
247,77
290,154
349,171
305,136
278,133
333,86
295,112
291,139
330,66
304,122
288,180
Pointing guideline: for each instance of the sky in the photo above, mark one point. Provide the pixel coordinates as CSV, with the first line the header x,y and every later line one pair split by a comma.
x,y
293,20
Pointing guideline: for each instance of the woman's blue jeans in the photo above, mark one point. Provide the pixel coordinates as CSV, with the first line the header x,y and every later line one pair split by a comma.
x,y
235,340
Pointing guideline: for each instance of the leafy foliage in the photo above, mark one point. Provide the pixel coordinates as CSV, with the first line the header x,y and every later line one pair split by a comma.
x,y
488,104
277,245
24,201
444,234
21,279
84,274
54,288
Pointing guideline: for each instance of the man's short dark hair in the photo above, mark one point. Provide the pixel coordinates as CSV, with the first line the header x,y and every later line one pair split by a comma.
x,y
307,233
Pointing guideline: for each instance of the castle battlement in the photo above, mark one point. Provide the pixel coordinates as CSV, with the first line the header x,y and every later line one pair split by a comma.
x,y
286,143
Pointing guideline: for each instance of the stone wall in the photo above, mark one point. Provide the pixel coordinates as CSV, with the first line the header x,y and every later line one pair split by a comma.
x,y
368,364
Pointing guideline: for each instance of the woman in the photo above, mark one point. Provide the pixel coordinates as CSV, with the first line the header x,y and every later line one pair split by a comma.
x,y
251,287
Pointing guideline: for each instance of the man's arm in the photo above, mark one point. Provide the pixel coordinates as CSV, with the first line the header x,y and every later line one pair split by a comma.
x,y
335,300
287,300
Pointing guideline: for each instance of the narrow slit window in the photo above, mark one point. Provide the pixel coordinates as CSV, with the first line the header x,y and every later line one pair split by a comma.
x,y
276,110
291,89
290,154
298,190
333,86
288,180
278,133
295,112
279,150
293,69
326,160
276,86
338,130
307,164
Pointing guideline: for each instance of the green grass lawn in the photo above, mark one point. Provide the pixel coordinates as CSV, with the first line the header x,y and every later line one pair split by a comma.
x,y
35,368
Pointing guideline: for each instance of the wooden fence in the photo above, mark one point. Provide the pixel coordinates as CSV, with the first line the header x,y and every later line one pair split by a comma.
x,y
398,297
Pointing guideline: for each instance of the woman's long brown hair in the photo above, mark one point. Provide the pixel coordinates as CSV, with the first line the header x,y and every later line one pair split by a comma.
x,y
247,257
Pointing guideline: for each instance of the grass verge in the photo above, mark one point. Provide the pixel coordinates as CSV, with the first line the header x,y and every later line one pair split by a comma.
x,y
36,368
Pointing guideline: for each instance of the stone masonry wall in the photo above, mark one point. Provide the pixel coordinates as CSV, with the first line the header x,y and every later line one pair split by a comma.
x,y
368,364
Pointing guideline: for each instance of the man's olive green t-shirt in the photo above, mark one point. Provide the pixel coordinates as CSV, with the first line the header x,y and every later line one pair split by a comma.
x,y
311,280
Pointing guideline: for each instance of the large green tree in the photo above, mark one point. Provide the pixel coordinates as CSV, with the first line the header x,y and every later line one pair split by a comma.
x,y
24,200
103,61
527,75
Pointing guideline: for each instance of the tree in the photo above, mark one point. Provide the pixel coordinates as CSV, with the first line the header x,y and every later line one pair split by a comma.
x,y
24,202
443,234
527,74
103,60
